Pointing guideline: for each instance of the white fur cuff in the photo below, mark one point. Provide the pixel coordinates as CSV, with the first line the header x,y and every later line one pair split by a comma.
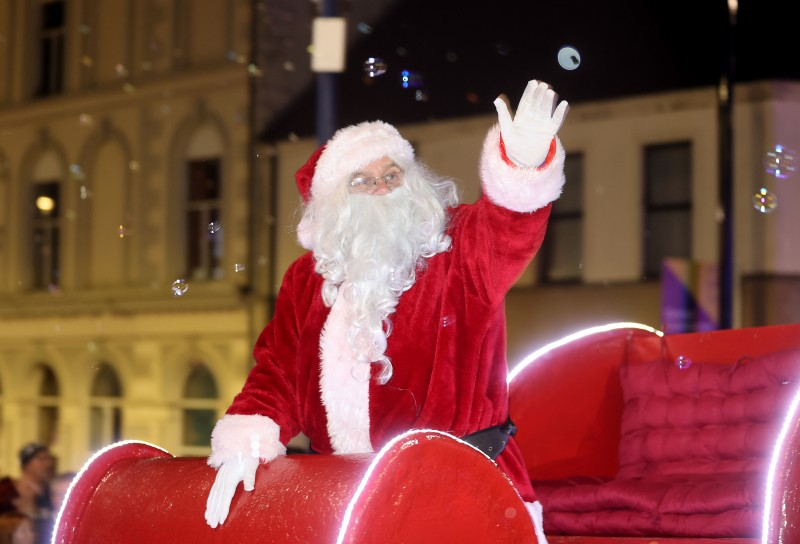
x,y
246,436
517,188
535,511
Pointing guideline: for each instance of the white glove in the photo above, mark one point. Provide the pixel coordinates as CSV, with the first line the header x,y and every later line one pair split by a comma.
x,y
235,470
527,137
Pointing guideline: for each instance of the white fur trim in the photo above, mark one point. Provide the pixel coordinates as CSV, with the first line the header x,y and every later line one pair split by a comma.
x,y
245,435
354,147
517,188
346,399
535,511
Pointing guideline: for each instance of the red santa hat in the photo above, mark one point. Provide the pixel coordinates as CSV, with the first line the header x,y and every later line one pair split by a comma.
x,y
349,150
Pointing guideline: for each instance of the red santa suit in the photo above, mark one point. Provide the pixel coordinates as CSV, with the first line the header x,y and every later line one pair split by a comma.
x,y
447,346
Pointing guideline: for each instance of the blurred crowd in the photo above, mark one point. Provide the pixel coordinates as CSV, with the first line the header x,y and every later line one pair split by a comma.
x,y
30,503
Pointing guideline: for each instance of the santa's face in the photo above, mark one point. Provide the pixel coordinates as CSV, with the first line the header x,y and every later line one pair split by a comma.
x,y
380,177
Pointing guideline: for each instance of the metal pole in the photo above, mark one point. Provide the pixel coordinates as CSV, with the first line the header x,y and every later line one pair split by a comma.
x,y
327,89
726,226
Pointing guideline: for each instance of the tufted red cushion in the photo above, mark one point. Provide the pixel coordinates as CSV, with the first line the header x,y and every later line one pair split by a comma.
x,y
706,418
695,448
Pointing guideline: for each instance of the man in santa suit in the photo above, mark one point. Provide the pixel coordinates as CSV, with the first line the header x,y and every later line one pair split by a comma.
x,y
394,319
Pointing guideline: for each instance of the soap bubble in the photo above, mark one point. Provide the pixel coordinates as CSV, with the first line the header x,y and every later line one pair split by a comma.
x,y
765,201
780,162
411,79
254,70
375,67
238,267
683,362
569,58
421,95
179,287
121,70
214,227
124,231
364,28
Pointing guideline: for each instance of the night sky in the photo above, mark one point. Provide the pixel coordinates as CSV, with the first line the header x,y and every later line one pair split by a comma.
x,y
463,54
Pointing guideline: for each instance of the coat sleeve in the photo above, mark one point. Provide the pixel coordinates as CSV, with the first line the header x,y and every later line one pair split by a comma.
x,y
495,239
263,417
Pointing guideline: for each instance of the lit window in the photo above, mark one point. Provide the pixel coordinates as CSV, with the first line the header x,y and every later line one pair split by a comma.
x,y
667,204
199,412
105,412
561,254
45,235
204,233
52,36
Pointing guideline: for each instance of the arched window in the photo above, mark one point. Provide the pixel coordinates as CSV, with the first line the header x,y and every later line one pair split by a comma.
x,y
105,411
49,392
45,206
199,406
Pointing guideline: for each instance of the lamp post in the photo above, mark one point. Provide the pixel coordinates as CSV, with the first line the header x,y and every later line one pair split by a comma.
x,y
725,124
327,60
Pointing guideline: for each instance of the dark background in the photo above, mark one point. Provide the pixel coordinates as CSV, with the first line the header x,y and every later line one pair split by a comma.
x,y
466,53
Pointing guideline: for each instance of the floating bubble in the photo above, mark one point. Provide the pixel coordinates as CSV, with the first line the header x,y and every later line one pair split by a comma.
x,y
410,79
121,70
254,70
76,172
85,120
421,95
85,192
448,320
289,66
502,49
364,28
765,201
179,287
375,67
238,267
683,362
780,162
124,231
214,227
569,58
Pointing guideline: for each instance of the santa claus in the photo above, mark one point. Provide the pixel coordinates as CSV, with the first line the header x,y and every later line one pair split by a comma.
x,y
394,319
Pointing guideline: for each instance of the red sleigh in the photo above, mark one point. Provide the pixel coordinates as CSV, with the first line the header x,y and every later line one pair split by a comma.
x,y
427,486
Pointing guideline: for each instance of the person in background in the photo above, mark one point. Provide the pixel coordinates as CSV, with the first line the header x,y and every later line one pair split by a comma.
x,y
16,528
30,493
394,319
58,489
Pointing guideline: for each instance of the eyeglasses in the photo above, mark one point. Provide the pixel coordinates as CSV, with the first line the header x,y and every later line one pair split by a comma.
x,y
362,184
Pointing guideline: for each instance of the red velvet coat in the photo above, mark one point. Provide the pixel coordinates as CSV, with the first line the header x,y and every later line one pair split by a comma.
x,y
448,344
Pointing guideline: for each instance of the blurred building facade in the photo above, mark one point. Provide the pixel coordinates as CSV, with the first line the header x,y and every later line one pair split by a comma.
x,y
144,231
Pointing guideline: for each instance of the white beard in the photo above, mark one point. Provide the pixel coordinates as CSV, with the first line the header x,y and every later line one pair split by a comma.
x,y
369,248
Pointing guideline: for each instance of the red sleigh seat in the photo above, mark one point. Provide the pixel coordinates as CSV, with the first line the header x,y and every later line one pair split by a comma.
x,y
621,443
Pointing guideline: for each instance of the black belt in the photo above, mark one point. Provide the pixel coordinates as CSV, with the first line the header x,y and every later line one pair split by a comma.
x,y
492,440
